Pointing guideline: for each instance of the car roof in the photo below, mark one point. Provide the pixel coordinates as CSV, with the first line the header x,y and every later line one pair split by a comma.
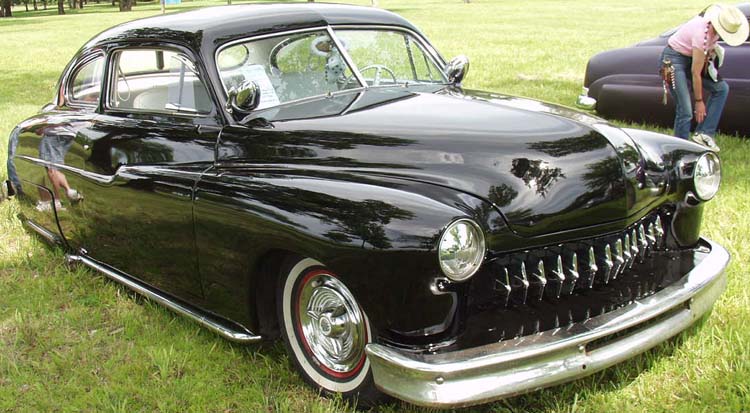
x,y
213,26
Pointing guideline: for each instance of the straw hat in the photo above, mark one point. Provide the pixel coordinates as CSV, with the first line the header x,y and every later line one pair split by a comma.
x,y
729,22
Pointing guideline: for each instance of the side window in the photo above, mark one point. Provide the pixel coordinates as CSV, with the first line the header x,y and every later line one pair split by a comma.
x,y
154,80
85,85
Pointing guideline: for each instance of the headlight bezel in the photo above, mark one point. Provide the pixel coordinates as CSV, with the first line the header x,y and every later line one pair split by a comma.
x,y
705,191
445,257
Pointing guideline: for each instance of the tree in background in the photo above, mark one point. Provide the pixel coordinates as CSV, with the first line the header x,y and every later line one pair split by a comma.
x,y
60,6
6,8
126,5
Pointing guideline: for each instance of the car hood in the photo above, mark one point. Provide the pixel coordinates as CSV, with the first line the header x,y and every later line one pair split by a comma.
x,y
546,168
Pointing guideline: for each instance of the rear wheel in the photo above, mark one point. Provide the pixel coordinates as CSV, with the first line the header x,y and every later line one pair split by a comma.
x,y
325,331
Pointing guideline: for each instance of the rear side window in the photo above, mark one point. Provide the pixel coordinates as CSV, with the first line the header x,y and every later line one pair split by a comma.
x,y
154,80
86,83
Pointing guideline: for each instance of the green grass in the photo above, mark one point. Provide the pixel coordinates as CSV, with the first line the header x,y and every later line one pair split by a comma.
x,y
70,341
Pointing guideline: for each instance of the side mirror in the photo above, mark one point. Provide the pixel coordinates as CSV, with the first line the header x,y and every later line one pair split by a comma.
x,y
457,69
243,98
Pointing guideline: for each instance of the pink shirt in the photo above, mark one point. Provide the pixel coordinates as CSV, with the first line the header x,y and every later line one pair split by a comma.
x,y
693,35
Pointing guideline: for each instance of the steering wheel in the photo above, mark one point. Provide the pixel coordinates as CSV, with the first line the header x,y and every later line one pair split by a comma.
x,y
379,69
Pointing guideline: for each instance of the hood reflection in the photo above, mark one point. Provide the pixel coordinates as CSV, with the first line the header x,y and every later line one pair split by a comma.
x,y
533,165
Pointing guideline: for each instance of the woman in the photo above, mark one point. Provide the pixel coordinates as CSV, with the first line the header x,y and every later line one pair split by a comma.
x,y
687,51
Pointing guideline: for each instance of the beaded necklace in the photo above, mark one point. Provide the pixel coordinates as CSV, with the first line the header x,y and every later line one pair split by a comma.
x,y
705,39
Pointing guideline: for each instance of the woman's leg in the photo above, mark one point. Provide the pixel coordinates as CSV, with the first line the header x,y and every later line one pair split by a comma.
x,y
683,104
717,92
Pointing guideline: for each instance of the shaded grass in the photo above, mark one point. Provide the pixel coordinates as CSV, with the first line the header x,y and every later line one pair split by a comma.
x,y
73,342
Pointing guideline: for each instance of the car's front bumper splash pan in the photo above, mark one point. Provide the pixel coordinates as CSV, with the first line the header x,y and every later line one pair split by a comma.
x,y
512,367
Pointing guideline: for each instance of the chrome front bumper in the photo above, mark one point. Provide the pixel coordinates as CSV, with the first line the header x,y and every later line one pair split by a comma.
x,y
508,368
585,101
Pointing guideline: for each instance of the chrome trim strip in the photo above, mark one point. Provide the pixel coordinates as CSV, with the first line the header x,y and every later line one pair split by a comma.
x,y
46,234
98,178
347,58
124,171
512,367
237,335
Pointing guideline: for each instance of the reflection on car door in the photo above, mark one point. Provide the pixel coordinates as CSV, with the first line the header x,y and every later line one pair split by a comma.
x,y
137,212
144,154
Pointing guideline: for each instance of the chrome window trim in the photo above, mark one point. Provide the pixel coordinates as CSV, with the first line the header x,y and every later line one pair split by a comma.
x,y
436,58
347,58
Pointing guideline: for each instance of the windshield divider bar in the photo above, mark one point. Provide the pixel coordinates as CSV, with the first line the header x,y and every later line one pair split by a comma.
x,y
347,58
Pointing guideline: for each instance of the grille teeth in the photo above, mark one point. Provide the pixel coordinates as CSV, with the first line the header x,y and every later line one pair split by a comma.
x,y
520,332
626,251
634,249
642,242
651,235
591,268
520,285
660,231
554,271
556,279
619,260
572,274
606,264
502,286
537,282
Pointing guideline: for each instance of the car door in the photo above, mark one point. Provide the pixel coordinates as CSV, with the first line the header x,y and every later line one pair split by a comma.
x,y
144,154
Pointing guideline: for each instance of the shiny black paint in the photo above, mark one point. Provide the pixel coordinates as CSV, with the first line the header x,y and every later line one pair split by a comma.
x,y
471,151
371,236
365,181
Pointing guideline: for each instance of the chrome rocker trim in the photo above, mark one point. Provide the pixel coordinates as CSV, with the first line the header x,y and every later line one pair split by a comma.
x,y
233,333
48,235
512,367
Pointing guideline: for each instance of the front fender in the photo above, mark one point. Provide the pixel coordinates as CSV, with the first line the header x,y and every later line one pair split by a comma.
x,y
677,157
379,235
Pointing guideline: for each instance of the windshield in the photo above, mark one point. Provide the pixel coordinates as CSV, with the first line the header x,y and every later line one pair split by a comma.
x,y
287,67
387,57
296,66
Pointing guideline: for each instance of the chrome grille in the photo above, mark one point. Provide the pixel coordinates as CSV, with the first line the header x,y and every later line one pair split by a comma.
x,y
555,271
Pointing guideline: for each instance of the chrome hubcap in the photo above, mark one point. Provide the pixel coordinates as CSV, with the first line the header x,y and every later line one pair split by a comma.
x,y
331,323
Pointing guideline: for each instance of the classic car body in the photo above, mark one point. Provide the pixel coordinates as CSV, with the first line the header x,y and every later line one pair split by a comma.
x,y
400,233
625,84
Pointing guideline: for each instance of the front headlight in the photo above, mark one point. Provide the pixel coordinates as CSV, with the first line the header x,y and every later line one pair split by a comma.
x,y
707,176
461,250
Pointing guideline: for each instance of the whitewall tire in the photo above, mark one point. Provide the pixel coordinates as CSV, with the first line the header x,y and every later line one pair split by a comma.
x,y
325,331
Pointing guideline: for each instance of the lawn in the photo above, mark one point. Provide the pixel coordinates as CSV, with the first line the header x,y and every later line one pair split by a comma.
x,y
71,341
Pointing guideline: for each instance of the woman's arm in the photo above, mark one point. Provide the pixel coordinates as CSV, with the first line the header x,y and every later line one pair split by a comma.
x,y
699,59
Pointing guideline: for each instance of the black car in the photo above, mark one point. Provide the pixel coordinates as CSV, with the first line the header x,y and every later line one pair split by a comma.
x,y
317,173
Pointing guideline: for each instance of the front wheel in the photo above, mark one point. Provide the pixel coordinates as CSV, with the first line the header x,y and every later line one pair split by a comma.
x,y
325,331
